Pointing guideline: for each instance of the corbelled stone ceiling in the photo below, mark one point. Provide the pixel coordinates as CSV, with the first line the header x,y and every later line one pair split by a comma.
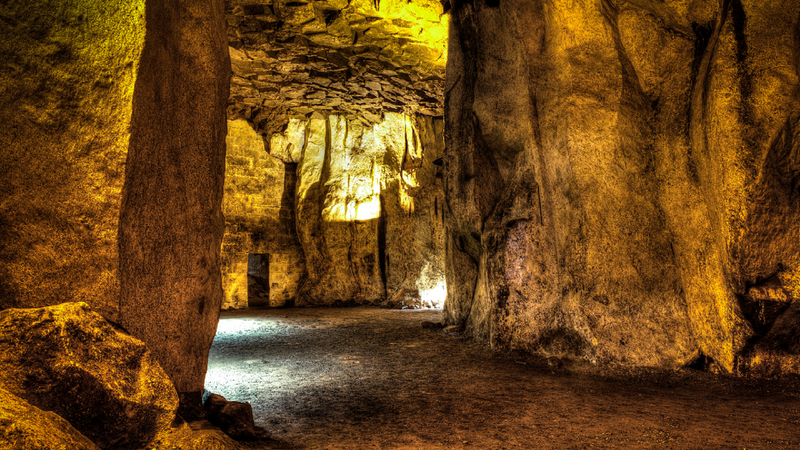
x,y
359,59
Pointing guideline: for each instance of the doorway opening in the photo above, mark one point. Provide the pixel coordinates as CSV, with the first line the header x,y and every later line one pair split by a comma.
x,y
258,279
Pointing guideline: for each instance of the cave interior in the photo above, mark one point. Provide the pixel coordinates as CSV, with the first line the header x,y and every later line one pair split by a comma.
x,y
602,183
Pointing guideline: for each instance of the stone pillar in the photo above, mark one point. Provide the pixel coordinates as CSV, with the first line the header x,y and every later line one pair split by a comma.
x,y
171,224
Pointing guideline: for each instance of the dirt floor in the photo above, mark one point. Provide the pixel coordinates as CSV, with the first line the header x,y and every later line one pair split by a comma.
x,y
361,378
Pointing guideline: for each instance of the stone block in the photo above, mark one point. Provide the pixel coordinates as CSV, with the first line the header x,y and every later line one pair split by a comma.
x,y
69,360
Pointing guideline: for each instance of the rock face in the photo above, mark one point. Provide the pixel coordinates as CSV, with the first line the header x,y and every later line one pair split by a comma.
x,y
24,426
65,102
621,179
69,360
367,208
327,84
171,225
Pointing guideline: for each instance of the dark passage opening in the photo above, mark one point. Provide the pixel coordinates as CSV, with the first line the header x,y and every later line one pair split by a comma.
x,y
258,279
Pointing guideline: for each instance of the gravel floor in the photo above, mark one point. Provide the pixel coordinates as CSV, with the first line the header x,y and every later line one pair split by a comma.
x,y
359,378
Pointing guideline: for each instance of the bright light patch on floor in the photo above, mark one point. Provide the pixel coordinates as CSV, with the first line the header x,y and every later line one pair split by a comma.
x,y
235,326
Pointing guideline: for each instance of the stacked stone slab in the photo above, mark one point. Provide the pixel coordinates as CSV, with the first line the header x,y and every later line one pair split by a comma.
x,y
357,59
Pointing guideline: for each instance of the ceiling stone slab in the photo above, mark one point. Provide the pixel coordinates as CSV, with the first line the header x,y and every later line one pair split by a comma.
x,y
358,59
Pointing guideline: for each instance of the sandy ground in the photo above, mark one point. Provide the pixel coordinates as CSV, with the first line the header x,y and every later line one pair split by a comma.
x,y
363,378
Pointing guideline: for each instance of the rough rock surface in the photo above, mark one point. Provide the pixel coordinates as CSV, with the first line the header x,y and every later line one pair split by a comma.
x,y
185,438
366,206
638,204
24,426
171,224
355,58
66,76
69,360
368,214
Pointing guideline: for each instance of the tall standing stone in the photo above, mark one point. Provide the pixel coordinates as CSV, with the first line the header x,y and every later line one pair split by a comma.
x,y
171,224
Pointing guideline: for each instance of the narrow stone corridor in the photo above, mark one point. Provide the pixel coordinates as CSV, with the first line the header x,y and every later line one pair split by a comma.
x,y
359,378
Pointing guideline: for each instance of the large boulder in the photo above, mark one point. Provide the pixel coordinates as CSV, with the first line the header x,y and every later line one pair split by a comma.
x,y
67,359
24,426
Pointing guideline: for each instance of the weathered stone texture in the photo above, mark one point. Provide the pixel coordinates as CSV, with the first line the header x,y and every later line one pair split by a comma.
x,y
67,359
171,223
621,179
24,426
326,84
67,72
348,213
357,59
184,438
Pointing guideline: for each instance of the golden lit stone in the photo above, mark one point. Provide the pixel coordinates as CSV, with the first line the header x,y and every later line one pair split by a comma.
x,y
259,207
630,210
66,81
367,210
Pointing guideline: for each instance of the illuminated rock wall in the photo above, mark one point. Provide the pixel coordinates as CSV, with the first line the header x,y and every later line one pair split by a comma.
x,y
367,210
65,105
366,64
621,180
367,223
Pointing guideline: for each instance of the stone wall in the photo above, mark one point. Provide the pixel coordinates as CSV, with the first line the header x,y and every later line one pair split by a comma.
x,y
621,180
66,80
326,85
368,219
363,225
259,215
